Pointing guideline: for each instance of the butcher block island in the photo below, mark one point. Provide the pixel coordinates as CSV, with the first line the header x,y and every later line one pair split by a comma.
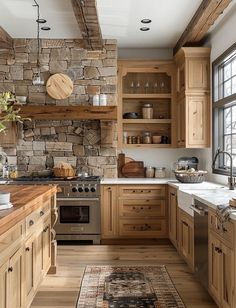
x,y
27,245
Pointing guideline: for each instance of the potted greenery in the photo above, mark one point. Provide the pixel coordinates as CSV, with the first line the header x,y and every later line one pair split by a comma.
x,y
7,110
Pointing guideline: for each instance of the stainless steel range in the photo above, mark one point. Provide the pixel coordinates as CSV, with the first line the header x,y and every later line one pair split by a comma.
x,y
78,202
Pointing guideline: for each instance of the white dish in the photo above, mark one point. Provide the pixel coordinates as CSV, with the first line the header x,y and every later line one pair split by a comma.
x,y
4,197
21,99
6,206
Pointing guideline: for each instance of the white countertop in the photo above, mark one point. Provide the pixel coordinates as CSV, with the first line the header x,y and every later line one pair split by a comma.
x,y
106,181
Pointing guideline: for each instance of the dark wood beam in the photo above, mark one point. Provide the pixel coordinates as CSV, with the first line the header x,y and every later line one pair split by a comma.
x,y
87,18
6,42
203,19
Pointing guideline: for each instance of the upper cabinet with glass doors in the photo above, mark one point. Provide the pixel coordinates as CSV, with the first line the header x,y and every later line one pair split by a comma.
x,y
146,92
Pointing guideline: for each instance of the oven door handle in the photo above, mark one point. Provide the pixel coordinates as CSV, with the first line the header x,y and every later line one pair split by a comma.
x,y
199,212
77,199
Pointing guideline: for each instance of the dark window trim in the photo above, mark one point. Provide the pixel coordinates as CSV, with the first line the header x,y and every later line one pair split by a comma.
x,y
219,103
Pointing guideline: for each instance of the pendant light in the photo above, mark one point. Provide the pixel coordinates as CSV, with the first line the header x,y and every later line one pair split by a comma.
x,y
37,78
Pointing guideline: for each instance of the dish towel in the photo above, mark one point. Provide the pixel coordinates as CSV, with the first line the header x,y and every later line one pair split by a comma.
x,y
223,213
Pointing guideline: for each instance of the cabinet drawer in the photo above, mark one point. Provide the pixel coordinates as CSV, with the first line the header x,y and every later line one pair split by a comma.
x,y
38,215
155,228
11,237
142,208
226,232
143,192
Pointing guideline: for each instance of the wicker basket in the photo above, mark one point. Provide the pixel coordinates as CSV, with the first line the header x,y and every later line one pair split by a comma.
x,y
63,172
190,177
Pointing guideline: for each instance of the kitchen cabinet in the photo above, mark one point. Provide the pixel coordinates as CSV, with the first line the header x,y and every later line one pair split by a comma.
x,y
109,211
25,255
11,281
9,136
186,237
134,211
221,266
151,82
173,215
193,97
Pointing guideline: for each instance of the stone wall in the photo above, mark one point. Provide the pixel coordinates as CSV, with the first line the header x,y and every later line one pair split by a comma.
x,y
42,144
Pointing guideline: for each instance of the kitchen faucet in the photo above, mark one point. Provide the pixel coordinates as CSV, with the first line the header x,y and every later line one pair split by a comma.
x,y
231,179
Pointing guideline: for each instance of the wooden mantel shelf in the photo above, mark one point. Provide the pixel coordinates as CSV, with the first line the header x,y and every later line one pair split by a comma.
x,y
46,112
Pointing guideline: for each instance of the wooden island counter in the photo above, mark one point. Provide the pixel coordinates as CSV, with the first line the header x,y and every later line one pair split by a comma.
x,y
27,242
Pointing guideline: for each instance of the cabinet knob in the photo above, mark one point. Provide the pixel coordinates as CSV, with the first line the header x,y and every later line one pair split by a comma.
x,y
31,222
46,229
41,213
27,249
10,269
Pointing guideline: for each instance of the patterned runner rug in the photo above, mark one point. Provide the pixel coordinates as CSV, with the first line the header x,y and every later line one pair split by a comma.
x,y
128,287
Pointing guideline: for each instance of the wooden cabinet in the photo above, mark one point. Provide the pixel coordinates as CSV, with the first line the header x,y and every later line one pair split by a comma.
x,y
186,237
151,82
134,211
11,281
173,216
109,212
193,97
9,136
221,260
25,257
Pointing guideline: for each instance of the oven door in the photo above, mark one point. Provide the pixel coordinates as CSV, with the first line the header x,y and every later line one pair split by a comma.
x,y
78,216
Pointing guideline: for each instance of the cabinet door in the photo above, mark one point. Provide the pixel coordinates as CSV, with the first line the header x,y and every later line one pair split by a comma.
x,y
198,74
38,257
15,280
198,121
46,246
181,122
30,261
227,276
3,285
173,210
214,259
109,214
186,238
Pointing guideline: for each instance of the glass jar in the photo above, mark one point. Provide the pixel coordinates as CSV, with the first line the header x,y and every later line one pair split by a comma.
x,y
147,111
160,172
147,138
13,172
149,172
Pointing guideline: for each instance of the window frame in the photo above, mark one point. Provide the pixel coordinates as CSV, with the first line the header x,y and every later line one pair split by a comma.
x,y
217,107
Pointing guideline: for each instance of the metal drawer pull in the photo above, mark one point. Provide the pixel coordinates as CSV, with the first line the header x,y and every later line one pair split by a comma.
x,y
27,249
10,269
31,222
41,213
200,212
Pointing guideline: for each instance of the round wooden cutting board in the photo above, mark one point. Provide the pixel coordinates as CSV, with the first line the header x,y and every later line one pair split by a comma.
x,y
59,86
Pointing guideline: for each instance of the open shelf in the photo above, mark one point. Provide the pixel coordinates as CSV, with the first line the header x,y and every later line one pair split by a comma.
x,y
142,145
147,121
147,96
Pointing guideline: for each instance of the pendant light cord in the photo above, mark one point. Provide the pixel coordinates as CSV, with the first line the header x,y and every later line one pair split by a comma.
x,y
38,39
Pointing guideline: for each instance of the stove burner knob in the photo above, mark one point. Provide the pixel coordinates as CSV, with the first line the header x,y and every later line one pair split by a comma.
x,y
74,189
86,189
80,189
93,189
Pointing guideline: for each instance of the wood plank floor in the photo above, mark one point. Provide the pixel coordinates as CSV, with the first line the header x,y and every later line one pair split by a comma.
x,y
61,290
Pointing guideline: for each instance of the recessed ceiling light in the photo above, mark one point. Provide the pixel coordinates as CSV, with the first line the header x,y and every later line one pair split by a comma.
x,y
146,21
144,29
41,20
45,28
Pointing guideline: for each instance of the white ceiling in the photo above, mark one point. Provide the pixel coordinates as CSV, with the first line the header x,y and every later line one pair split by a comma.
x,y
18,17
119,19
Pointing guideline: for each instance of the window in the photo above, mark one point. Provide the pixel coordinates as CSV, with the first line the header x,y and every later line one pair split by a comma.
x,y
224,109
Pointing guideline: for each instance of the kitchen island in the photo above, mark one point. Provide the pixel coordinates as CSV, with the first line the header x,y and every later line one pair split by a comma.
x,y
27,245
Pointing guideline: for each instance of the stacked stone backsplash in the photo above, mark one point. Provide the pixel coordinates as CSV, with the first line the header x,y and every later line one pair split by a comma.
x,y
42,144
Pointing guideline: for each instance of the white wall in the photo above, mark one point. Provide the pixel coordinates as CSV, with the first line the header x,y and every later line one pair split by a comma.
x,y
141,53
221,38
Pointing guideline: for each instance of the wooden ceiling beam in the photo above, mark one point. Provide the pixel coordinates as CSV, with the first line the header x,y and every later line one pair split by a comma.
x,y
203,19
6,41
87,18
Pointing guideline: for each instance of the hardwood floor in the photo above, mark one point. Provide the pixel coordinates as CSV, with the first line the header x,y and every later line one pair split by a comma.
x,y
61,290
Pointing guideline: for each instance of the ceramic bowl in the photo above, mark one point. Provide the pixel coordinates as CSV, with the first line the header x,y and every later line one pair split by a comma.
x,y
156,139
21,99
